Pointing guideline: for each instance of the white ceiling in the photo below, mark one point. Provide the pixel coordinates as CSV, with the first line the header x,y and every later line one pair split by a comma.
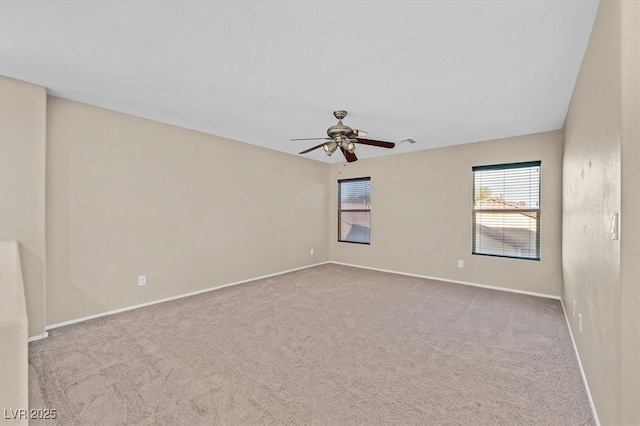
x,y
442,73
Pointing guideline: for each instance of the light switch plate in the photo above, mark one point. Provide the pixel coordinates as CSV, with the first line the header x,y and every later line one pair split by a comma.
x,y
614,226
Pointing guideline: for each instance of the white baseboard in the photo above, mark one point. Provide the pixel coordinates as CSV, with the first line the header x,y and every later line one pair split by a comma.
x,y
510,290
38,337
129,308
584,377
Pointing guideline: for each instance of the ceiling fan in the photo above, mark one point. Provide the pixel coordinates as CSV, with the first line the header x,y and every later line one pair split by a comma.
x,y
345,138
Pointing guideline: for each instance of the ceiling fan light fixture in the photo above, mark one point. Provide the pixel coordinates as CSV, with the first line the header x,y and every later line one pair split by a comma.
x,y
330,148
351,147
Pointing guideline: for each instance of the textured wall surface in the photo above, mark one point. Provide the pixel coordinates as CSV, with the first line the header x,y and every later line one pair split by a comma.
x,y
630,213
421,213
593,186
128,197
22,186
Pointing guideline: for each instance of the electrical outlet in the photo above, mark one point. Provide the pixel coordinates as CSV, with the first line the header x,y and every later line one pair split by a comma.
x,y
460,263
580,322
311,251
142,280
574,308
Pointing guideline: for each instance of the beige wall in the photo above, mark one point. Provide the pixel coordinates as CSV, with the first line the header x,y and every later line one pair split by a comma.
x,y
630,212
128,196
22,186
14,359
421,213
597,144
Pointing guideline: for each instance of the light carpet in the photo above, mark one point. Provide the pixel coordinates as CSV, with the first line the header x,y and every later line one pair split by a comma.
x,y
327,345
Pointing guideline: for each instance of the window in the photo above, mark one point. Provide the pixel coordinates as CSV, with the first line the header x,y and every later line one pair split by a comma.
x,y
354,214
506,210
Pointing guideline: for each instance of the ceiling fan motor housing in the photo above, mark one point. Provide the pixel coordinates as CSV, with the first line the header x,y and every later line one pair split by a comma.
x,y
339,130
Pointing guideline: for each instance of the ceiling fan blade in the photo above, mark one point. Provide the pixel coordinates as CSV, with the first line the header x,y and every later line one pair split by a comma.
x,y
311,149
350,156
356,132
381,144
310,139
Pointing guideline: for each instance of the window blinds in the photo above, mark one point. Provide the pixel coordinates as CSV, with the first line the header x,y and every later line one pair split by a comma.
x,y
506,210
354,215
